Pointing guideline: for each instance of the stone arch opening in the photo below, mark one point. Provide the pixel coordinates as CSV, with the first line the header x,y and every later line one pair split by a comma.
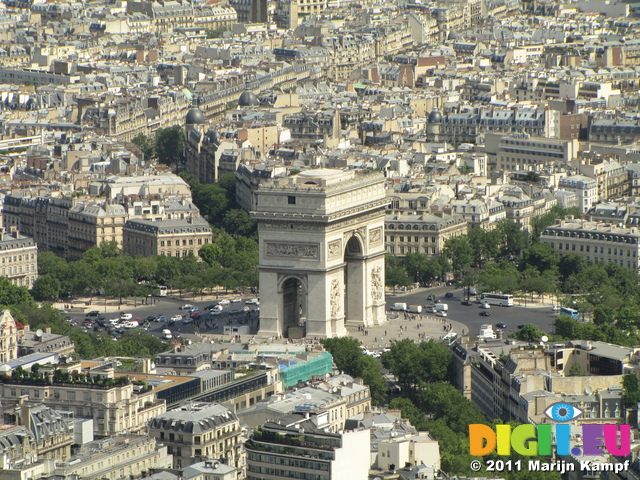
x,y
294,306
354,282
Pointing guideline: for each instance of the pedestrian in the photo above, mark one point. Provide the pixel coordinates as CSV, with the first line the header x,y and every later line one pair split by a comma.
x,y
385,333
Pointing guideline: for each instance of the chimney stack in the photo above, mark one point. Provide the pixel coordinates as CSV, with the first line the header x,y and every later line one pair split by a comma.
x,y
14,231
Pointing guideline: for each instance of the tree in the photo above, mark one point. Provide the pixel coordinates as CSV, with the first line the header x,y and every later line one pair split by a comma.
x,y
577,371
459,252
513,239
145,144
238,222
631,395
212,201
528,333
349,358
396,277
11,294
169,144
46,288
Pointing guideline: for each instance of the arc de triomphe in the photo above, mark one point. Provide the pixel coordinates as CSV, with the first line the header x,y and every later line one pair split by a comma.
x,y
321,252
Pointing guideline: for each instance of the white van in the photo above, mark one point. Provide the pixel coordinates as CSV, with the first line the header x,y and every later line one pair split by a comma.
x,y
400,307
415,308
166,334
442,307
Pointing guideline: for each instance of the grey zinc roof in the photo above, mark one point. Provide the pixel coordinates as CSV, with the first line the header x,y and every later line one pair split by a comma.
x,y
194,419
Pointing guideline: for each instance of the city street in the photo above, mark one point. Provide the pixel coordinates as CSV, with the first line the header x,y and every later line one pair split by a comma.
x,y
463,319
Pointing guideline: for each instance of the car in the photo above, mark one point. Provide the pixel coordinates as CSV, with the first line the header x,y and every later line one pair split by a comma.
x,y
186,306
500,324
93,313
171,323
176,318
466,302
224,301
255,310
485,314
246,309
431,298
236,300
209,307
486,306
187,320
195,313
520,326
126,316
87,323
440,313
193,309
160,318
555,308
131,324
150,318
215,312
252,301
217,308
448,295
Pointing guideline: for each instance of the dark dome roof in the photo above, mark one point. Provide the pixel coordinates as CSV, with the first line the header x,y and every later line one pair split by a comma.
x,y
248,99
435,116
194,116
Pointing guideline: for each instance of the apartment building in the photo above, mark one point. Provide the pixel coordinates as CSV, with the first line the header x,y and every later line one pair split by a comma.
x,y
522,387
296,448
585,188
43,342
530,154
172,238
93,223
18,258
426,233
114,406
199,431
597,242
51,432
121,456
9,335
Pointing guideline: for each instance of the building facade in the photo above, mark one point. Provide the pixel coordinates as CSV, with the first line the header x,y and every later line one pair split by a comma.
x,y
172,238
199,431
597,242
426,234
18,258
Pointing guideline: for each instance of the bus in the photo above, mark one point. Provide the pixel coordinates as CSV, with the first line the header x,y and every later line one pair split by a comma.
x,y
570,312
497,299
162,291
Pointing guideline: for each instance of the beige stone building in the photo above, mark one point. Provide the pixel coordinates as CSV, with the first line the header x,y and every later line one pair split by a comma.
x,y
18,258
8,337
172,238
114,407
196,432
92,224
598,242
426,233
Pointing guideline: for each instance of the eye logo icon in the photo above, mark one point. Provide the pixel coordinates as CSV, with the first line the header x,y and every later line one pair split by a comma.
x,y
562,412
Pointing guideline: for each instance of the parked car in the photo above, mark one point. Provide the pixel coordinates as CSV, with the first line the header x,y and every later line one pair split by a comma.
x,y
87,323
448,295
150,318
467,303
485,314
245,309
217,308
187,320
93,313
176,318
441,313
126,316
500,324
209,307
161,318
186,306
215,312
224,301
252,301
555,308
195,313
236,300
166,334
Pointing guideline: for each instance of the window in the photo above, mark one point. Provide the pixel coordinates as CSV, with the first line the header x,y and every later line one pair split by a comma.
x,y
291,200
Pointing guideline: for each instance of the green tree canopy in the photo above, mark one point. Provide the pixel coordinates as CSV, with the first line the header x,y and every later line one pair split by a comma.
x,y
169,144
